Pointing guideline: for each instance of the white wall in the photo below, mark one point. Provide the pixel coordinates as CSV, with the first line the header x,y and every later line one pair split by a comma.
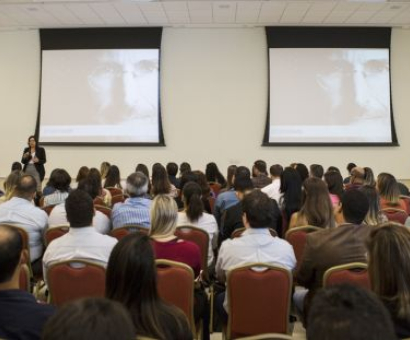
x,y
214,104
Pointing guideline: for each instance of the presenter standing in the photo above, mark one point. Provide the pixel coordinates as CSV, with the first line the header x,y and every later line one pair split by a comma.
x,y
33,159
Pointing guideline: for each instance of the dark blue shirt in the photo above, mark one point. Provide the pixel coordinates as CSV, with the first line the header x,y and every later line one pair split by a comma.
x,y
21,317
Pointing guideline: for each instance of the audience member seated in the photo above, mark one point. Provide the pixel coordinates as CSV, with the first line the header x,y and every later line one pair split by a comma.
x,y
273,189
183,169
90,318
227,199
172,171
144,169
82,241
369,177
334,181
101,222
104,167
81,175
21,317
333,246
135,209
10,185
132,281
302,170
194,214
404,190
356,178
260,177
255,245
160,184
389,192
291,190
344,312
316,170
374,215
164,215
16,166
349,169
206,191
20,211
213,175
317,208
389,271
233,215
104,195
230,175
60,182
113,178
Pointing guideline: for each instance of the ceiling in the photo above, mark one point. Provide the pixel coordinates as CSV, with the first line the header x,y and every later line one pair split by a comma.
x,y
23,14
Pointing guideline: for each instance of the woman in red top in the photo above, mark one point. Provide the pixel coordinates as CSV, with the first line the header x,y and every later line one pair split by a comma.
x,y
389,192
164,215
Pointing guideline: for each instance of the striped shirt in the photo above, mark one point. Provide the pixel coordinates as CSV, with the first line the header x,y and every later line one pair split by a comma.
x,y
134,210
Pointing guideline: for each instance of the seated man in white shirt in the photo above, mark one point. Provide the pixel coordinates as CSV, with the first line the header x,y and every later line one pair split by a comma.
x,y
21,212
101,222
272,190
255,245
82,241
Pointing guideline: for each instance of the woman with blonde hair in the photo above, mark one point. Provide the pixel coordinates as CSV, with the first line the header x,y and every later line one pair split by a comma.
x,y
389,271
164,215
389,192
10,185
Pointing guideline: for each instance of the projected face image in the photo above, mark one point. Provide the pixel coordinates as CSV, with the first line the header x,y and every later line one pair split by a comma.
x,y
124,86
356,83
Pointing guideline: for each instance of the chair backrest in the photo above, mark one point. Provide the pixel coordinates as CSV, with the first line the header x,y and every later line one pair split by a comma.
x,y
395,215
259,298
24,278
74,279
238,232
297,238
201,238
55,232
104,209
119,233
354,273
48,209
114,191
175,283
117,199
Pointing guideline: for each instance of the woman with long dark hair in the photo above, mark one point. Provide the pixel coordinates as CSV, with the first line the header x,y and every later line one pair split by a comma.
x,y
291,190
113,178
213,175
317,209
160,184
334,181
34,158
193,214
389,192
389,272
132,280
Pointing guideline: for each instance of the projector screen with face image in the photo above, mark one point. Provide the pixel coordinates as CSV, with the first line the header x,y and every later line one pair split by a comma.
x,y
100,96
329,95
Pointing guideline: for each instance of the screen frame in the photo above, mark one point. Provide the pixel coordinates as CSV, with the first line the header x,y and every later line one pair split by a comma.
x,y
102,38
328,37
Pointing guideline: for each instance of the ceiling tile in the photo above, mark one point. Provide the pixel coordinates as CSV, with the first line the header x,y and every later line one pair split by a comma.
x,y
85,13
108,14
131,13
62,14
17,13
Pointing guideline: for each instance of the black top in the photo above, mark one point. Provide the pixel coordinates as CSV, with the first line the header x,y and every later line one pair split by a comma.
x,y
21,317
41,155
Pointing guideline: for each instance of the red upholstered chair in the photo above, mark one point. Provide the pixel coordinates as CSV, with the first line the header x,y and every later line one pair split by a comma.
x,y
267,336
175,283
259,298
395,215
55,232
24,278
114,191
297,238
99,201
104,209
74,279
239,232
201,238
119,233
354,273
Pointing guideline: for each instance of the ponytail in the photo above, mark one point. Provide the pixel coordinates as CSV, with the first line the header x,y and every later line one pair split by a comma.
x,y
193,202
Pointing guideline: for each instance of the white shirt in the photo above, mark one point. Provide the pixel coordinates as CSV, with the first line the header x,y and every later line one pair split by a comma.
x,y
58,216
56,197
82,244
272,190
22,213
255,245
206,222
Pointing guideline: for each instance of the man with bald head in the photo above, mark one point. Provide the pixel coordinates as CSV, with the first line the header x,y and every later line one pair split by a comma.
x,y
21,317
21,212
